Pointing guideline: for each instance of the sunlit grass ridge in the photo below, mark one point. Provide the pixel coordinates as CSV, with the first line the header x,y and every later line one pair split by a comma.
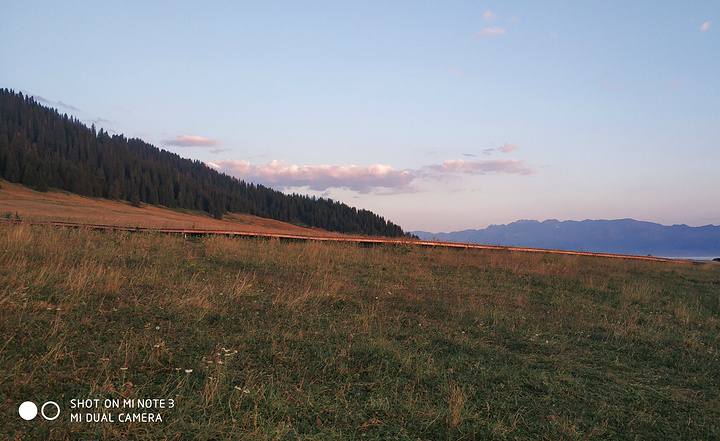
x,y
264,339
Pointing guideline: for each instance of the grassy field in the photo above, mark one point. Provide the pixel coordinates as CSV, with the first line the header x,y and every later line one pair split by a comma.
x,y
263,339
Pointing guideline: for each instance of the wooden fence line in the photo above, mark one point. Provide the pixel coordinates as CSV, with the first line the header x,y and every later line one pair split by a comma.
x,y
354,239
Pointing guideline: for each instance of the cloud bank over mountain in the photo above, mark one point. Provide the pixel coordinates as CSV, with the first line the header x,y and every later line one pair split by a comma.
x,y
362,179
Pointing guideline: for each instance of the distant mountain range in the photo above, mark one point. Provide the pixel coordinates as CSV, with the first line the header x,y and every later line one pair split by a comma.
x,y
623,236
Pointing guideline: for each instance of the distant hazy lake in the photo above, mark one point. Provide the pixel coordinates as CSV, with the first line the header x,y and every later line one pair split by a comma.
x,y
689,257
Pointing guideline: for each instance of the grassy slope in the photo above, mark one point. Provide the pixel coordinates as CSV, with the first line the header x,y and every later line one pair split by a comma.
x,y
337,341
63,206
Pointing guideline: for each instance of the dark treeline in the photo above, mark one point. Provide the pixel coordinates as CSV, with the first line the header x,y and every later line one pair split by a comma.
x,y
42,149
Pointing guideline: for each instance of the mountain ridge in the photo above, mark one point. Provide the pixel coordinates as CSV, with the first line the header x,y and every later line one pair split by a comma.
x,y
618,236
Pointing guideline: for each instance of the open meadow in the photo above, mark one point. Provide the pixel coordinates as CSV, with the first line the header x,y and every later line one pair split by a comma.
x,y
268,339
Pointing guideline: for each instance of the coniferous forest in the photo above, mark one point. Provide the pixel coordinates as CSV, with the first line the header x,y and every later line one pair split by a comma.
x,y
43,149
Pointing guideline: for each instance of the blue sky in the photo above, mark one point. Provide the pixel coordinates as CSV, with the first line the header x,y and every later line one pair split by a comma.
x,y
439,116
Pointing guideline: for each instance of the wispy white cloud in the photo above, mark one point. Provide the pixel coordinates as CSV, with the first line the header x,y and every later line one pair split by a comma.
x,y
191,141
100,121
489,15
505,148
491,32
381,179
508,147
705,26
58,103
457,73
318,177
104,124
456,166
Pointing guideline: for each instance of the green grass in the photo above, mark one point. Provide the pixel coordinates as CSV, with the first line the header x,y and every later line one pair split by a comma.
x,y
306,340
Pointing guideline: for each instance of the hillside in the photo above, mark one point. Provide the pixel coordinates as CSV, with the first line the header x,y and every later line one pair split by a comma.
x,y
623,236
18,201
43,149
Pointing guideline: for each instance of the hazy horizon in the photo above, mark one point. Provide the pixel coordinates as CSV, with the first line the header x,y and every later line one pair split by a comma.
x,y
437,116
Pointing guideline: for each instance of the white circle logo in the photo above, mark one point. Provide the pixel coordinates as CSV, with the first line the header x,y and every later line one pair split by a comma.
x,y
28,410
42,410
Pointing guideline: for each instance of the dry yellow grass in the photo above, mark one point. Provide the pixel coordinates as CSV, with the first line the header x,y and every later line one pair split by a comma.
x,y
344,341
67,207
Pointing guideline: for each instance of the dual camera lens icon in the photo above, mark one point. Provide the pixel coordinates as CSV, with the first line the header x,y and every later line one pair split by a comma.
x,y
28,410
